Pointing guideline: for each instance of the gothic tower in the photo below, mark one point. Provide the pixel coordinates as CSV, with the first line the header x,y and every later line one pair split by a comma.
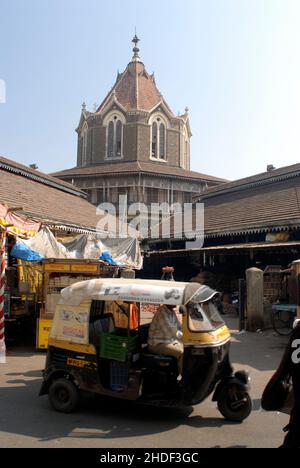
x,y
134,145
134,123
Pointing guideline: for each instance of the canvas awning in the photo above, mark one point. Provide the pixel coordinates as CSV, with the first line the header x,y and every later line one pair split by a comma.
x,y
119,252
17,223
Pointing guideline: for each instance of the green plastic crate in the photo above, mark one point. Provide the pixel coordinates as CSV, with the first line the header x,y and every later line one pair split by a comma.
x,y
117,347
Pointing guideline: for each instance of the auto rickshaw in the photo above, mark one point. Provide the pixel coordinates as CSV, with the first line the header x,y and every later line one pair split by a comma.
x,y
91,350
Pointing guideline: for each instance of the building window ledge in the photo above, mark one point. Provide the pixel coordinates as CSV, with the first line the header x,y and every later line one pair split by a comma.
x,y
113,158
158,159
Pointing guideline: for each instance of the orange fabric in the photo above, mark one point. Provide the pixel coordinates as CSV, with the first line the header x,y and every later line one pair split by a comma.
x,y
134,317
121,320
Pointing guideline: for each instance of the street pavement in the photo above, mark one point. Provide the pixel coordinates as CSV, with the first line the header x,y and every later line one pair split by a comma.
x,y
27,420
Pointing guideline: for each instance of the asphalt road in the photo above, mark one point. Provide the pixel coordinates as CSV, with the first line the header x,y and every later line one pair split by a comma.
x,y
27,420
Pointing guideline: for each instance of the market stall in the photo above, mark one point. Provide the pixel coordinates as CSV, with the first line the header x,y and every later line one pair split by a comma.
x,y
58,274
37,265
43,218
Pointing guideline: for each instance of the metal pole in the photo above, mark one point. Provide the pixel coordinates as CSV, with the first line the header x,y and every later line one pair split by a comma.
x,y
2,298
241,304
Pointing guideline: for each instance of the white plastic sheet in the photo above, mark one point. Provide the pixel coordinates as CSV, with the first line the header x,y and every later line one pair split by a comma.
x,y
89,247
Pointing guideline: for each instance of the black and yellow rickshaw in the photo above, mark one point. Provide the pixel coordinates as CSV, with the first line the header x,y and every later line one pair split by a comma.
x,y
98,344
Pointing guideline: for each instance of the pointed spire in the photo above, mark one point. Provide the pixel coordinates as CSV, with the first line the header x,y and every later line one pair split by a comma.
x,y
136,57
118,76
83,107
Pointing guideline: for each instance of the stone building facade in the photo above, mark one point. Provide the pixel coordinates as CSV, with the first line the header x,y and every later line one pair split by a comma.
x,y
134,145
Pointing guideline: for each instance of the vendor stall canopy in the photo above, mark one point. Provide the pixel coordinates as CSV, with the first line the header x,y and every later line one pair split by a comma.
x,y
16,224
116,252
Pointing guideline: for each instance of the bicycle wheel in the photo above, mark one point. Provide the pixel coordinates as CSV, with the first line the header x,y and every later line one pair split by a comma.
x,y
282,322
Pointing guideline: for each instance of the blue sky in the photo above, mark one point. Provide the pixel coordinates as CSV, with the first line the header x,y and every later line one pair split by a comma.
x,y
234,63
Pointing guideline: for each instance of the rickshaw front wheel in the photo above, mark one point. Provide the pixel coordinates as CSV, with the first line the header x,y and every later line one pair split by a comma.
x,y
63,395
235,405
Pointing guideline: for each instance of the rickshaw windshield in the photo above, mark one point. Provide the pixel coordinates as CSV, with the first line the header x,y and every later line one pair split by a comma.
x,y
204,317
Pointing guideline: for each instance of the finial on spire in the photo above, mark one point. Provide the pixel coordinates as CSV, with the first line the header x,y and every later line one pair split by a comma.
x,y
186,110
136,40
83,107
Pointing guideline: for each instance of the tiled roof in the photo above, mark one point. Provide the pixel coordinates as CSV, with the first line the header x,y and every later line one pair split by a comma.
x,y
267,206
33,174
133,167
272,207
41,200
135,89
264,178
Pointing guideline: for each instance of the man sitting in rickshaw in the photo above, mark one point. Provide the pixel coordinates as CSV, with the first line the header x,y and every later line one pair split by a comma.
x,y
165,335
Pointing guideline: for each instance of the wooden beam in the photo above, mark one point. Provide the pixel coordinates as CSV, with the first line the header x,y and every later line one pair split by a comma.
x,y
18,208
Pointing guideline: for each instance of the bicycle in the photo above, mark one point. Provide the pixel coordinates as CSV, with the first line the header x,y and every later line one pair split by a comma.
x,y
283,316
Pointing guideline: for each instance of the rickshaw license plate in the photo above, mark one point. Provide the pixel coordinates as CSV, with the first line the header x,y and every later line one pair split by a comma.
x,y
77,362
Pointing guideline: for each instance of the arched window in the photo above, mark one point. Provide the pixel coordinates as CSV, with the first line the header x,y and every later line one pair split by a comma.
x,y
119,139
110,140
114,136
84,137
158,139
154,140
162,141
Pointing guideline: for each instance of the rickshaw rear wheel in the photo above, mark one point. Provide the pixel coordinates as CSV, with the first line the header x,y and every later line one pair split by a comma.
x,y
235,405
63,395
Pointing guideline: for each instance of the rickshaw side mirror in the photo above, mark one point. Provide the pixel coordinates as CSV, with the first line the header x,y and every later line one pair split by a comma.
x,y
183,310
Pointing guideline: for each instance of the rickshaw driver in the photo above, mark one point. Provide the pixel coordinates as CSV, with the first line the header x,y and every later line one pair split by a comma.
x,y
165,335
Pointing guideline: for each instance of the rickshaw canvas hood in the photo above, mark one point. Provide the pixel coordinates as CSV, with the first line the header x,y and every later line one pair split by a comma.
x,y
148,291
136,290
199,293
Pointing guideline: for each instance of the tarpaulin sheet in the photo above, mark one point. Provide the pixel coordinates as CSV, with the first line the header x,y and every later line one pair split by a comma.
x,y
23,252
88,247
126,251
107,257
